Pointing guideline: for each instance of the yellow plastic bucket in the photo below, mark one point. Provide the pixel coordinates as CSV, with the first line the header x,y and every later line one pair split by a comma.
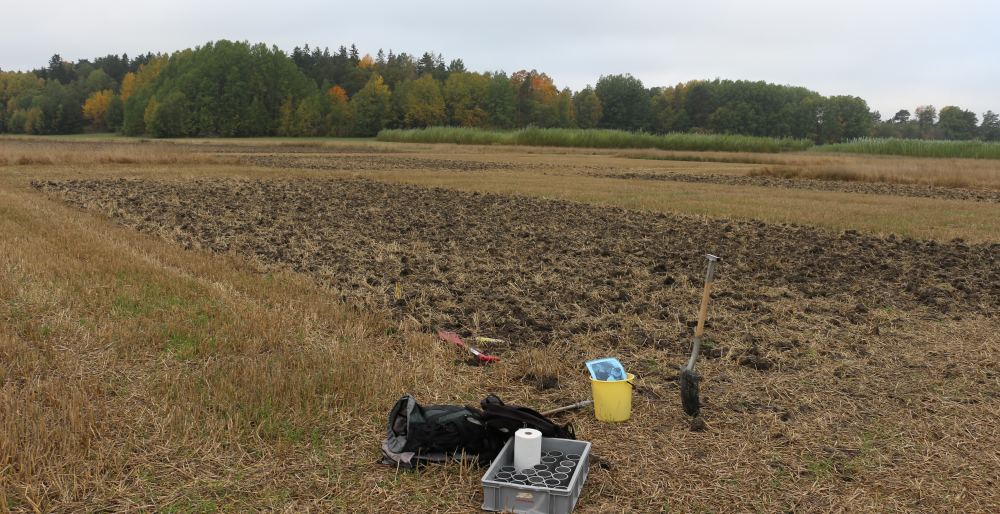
x,y
613,398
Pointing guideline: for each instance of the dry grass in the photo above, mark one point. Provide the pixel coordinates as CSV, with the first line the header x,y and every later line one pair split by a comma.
x,y
136,376
952,173
128,363
939,172
41,152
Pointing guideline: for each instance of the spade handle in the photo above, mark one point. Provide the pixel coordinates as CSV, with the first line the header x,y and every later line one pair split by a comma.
x,y
568,407
709,278
704,311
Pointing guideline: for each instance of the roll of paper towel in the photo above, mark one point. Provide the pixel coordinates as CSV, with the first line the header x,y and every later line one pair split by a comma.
x,y
527,448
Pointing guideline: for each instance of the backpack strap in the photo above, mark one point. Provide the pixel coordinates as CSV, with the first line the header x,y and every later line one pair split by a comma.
x,y
492,399
509,418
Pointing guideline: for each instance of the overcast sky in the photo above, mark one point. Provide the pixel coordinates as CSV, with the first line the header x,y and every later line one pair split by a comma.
x,y
894,54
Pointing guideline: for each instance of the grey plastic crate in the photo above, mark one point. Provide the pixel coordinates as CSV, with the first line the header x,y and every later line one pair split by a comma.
x,y
500,496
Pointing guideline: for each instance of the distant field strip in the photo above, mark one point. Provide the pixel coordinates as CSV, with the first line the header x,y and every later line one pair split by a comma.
x,y
24,152
378,162
763,177
950,172
594,138
917,148
868,188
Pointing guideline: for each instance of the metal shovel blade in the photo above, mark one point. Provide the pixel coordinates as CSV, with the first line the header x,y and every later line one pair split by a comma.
x,y
689,391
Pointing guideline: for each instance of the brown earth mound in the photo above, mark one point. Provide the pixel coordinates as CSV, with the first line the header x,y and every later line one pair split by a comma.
x,y
531,271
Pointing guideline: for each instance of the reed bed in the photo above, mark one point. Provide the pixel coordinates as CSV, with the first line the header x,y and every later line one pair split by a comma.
x,y
594,138
917,148
35,152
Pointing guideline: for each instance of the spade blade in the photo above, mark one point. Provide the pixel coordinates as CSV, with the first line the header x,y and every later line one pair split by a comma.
x,y
689,391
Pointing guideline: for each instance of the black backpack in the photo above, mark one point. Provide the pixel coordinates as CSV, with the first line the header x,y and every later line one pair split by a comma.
x,y
508,419
417,434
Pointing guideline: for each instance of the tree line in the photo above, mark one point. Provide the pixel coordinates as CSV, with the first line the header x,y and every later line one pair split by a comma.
x,y
927,122
235,89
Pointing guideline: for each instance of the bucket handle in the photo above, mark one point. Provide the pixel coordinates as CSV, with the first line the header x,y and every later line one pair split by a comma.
x,y
629,382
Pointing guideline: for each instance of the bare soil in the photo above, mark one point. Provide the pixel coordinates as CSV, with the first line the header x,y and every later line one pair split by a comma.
x,y
379,162
529,270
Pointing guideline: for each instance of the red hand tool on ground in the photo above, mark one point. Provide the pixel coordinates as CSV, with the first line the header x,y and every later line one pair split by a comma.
x,y
453,337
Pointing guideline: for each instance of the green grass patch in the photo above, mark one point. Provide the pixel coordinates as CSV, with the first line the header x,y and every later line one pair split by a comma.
x,y
595,138
129,308
184,346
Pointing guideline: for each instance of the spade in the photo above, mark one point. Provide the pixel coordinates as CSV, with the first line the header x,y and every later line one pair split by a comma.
x,y
688,378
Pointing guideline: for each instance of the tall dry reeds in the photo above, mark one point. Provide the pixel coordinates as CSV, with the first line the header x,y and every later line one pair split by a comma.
x,y
594,138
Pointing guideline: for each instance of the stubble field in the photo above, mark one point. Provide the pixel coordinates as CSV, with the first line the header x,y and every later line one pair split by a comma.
x,y
237,333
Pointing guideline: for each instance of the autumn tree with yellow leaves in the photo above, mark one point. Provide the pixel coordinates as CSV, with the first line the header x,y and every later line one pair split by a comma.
x,y
339,117
536,97
465,98
426,103
16,92
96,107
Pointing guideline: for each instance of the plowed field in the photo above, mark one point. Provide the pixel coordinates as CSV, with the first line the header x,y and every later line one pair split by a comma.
x,y
530,270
